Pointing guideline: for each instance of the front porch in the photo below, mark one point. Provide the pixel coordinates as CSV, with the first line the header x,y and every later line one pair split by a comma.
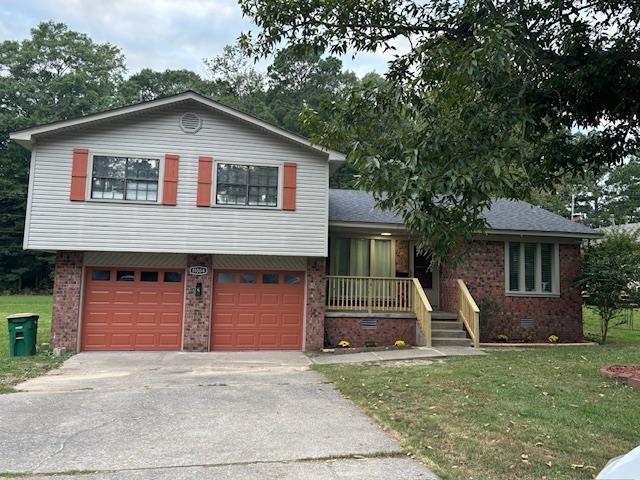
x,y
400,309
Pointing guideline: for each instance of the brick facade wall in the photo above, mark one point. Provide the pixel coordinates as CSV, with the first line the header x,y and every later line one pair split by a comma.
x,y
65,311
402,256
316,301
484,275
387,331
197,310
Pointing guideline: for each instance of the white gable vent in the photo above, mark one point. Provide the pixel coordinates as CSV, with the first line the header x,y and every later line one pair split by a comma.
x,y
190,122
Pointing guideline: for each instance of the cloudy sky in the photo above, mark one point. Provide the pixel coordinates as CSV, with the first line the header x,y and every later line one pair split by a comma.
x,y
158,34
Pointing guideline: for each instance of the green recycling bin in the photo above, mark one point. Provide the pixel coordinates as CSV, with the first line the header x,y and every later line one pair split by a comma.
x,y
23,329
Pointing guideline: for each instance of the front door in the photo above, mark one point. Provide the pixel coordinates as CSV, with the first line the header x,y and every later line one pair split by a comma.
x,y
428,278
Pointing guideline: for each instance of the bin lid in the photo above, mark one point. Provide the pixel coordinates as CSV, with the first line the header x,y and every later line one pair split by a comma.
x,y
22,315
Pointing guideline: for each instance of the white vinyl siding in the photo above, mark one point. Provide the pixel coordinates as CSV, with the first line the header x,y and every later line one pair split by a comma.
x,y
532,268
56,223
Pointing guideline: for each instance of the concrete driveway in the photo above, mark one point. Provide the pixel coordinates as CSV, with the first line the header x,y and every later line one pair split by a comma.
x,y
250,415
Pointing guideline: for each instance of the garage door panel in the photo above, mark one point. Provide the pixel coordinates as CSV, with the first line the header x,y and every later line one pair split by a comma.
x,y
170,319
145,340
270,300
269,320
290,320
101,296
224,319
257,316
269,341
292,299
168,340
226,299
132,315
245,340
247,300
224,341
124,296
244,320
147,319
149,298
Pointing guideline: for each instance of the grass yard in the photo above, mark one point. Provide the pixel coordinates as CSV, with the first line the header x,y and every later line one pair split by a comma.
x,y
530,414
15,370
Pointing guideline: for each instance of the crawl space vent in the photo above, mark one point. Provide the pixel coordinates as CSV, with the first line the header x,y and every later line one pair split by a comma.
x,y
190,123
526,323
369,323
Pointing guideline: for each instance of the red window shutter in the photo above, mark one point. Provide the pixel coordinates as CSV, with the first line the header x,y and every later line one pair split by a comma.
x,y
205,171
289,187
170,181
79,174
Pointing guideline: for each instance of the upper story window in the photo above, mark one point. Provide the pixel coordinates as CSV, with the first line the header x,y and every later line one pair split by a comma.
x,y
247,185
125,178
532,268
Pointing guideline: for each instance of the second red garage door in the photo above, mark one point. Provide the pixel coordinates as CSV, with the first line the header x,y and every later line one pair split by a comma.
x,y
257,310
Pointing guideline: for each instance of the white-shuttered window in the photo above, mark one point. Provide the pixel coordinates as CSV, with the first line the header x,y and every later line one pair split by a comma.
x,y
532,268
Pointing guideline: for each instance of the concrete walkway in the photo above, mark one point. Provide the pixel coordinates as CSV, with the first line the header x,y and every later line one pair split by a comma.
x,y
250,415
418,353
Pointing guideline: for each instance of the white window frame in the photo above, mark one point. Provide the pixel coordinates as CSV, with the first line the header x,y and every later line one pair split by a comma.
x,y
111,153
214,189
555,270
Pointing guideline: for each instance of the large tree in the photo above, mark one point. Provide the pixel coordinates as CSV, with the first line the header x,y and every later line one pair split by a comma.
x,y
486,101
299,79
55,74
149,84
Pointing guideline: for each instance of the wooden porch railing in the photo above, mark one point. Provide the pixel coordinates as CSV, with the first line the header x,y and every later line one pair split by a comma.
x,y
469,313
369,294
422,309
381,294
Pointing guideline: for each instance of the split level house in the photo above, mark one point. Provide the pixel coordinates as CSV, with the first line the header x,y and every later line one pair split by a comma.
x,y
183,224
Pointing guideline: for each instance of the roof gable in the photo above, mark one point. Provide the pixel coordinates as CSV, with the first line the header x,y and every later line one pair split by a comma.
x,y
27,136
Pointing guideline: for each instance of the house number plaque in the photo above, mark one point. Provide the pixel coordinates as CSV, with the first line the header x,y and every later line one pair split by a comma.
x,y
198,270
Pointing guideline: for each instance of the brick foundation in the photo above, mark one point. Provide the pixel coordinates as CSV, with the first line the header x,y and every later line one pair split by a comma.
x,y
484,275
65,312
387,331
197,310
316,300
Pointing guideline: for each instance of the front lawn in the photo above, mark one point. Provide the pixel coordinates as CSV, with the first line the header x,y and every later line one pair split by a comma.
x,y
16,370
530,414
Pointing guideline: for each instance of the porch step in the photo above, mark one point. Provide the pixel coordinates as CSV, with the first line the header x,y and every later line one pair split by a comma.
x,y
446,325
450,342
439,315
437,333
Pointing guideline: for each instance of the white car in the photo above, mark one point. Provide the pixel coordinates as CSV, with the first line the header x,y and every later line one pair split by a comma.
x,y
624,467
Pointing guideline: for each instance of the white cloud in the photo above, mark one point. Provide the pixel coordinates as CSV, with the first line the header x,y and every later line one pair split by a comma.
x,y
158,34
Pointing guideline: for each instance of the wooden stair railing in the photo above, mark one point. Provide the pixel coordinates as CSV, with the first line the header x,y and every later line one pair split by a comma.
x,y
422,309
469,313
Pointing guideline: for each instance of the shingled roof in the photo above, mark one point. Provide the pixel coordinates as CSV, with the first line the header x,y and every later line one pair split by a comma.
x,y
355,206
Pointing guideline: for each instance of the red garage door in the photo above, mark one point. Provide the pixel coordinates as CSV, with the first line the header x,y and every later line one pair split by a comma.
x,y
132,309
257,310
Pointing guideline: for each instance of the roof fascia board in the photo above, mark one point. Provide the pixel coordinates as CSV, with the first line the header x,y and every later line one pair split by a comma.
x,y
512,233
